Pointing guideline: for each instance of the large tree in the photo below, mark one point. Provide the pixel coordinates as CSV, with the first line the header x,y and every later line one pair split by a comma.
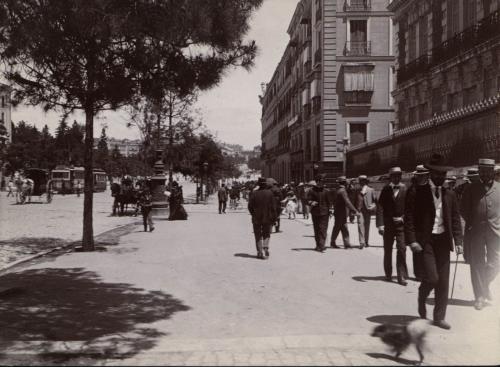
x,y
94,55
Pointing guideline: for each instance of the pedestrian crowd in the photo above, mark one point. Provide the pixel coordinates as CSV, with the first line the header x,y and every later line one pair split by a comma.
x,y
432,216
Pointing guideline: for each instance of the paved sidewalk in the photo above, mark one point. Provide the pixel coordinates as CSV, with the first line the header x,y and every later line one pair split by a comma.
x,y
192,292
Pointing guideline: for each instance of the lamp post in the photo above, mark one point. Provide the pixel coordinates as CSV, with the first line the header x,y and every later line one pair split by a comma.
x,y
205,170
345,142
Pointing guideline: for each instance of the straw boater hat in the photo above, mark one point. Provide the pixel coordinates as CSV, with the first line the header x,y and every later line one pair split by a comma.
x,y
363,177
395,171
484,162
436,163
420,170
342,179
312,183
451,178
301,184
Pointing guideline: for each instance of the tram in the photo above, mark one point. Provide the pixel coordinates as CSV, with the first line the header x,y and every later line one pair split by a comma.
x,y
100,180
66,179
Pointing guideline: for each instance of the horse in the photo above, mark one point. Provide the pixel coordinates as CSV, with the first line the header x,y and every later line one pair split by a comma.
x,y
124,195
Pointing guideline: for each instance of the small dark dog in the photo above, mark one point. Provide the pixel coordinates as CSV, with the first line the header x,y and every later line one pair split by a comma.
x,y
400,337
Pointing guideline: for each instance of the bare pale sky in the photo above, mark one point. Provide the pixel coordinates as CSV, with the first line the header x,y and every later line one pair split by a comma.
x,y
232,109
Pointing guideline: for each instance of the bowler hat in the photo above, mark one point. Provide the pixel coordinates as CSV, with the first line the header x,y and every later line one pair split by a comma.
x,y
363,177
472,172
395,170
420,170
436,163
487,162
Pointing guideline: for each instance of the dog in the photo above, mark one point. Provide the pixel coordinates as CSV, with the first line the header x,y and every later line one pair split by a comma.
x,y
400,337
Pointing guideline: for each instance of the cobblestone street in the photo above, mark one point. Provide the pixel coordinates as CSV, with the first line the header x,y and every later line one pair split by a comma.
x,y
192,292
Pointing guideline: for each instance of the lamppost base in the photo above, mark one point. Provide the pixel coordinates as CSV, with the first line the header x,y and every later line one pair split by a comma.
x,y
160,210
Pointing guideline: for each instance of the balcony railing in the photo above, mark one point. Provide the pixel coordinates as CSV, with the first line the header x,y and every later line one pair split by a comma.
x,y
357,5
360,97
480,32
318,55
357,48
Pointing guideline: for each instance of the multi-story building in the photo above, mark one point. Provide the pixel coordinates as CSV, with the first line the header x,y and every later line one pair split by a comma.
x,y
448,81
5,111
126,147
331,89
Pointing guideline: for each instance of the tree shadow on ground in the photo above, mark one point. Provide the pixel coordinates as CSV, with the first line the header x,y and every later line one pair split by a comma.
x,y
73,306
452,302
392,358
361,278
392,319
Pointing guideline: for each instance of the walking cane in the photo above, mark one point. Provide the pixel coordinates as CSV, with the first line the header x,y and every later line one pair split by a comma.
x,y
454,276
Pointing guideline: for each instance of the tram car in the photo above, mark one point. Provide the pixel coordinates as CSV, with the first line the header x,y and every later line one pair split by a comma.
x,y
100,180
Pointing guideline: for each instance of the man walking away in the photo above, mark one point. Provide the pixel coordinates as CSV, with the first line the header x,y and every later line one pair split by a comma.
x,y
222,195
390,211
146,204
480,207
320,202
366,204
278,197
261,206
432,224
342,207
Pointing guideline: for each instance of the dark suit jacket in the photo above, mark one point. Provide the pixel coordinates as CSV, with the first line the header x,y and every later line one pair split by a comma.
x,y
420,214
323,198
342,205
262,207
389,206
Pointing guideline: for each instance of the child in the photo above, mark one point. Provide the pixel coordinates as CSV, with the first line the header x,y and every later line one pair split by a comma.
x,y
290,204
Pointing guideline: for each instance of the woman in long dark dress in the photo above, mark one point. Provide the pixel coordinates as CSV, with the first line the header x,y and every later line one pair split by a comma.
x,y
177,211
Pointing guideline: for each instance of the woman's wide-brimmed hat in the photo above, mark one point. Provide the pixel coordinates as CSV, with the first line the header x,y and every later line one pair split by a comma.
x,y
436,163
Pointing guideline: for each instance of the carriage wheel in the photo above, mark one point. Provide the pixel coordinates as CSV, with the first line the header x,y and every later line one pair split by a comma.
x,y
49,197
23,198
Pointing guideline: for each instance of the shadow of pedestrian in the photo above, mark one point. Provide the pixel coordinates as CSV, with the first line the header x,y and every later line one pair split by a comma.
x,y
392,358
452,302
76,307
366,279
304,249
392,319
246,256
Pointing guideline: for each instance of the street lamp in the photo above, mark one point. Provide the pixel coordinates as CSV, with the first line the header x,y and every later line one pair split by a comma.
x,y
345,142
205,170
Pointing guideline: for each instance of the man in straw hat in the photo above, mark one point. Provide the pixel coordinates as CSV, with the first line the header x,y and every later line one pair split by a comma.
x,y
342,207
390,223
263,210
480,206
365,202
432,225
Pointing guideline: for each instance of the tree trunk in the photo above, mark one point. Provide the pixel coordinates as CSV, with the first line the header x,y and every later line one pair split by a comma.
x,y
170,150
88,231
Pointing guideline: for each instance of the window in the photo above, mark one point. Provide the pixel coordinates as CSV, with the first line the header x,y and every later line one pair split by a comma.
x,y
308,145
486,7
3,101
391,127
469,13
469,95
452,9
412,115
357,133
318,143
412,51
358,84
358,44
422,36
437,100
488,84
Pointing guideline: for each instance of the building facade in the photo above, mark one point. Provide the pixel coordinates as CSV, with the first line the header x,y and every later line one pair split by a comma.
x,y
5,111
448,81
331,89
126,147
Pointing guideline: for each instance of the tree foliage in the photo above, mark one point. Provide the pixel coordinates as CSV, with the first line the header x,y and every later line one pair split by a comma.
x,y
94,55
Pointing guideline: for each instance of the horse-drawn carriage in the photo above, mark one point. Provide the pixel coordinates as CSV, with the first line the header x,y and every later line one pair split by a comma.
x,y
124,194
37,182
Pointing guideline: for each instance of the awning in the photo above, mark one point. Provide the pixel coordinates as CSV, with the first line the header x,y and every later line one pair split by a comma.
x,y
358,81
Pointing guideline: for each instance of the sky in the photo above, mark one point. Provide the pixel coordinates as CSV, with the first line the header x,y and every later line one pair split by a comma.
x,y
230,110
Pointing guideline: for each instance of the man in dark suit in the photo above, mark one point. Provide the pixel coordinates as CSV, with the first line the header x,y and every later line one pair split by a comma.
x,y
222,196
432,224
319,199
480,207
390,223
262,208
342,207
366,203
